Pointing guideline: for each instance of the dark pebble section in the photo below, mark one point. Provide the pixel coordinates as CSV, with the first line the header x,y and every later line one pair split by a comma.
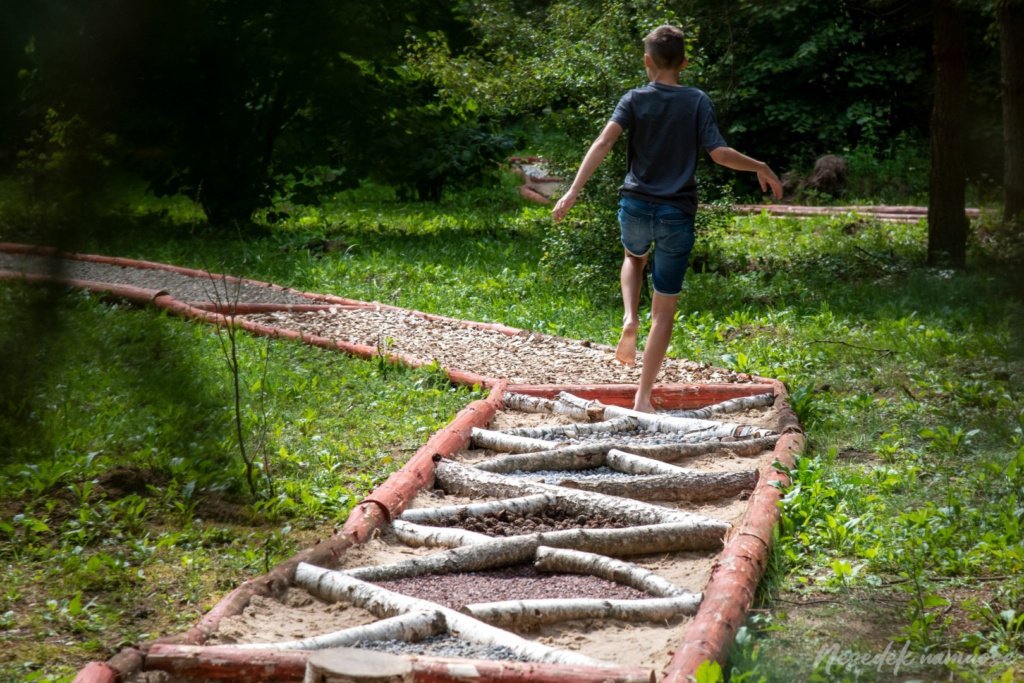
x,y
511,583
441,646
506,523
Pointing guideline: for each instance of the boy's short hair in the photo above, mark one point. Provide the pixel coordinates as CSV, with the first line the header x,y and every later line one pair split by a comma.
x,y
667,46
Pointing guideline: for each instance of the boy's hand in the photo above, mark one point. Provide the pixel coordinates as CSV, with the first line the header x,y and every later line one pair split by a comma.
x,y
767,178
563,205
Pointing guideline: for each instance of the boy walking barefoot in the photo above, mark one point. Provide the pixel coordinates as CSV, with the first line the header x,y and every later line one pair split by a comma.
x,y
667,123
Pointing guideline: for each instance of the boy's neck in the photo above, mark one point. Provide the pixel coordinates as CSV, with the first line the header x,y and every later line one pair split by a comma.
x,y
665,77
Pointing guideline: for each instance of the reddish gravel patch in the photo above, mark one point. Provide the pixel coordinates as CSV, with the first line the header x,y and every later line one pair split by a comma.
x,y
506,523
512,583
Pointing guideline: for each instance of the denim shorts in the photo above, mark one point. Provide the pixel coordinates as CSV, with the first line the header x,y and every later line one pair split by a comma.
x,y
671,231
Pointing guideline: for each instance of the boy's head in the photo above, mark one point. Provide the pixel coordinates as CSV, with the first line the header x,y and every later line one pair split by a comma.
x,y
666,46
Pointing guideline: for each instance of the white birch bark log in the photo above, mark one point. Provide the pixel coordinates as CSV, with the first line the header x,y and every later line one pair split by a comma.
x,y
525,403
508,443
690,485
532,614
621,461
541,460
419,536
733,405
708,429
469,481
495,552
678,451
615,426
696,534
404,627
524,505
569,561
333,586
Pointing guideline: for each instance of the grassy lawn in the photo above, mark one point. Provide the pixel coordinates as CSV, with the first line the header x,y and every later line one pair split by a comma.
x,y
125,514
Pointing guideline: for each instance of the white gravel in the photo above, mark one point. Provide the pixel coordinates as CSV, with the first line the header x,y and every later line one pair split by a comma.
x,y
529,358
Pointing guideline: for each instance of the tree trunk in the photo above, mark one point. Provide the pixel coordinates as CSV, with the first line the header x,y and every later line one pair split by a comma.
x,y
947,179
1011,40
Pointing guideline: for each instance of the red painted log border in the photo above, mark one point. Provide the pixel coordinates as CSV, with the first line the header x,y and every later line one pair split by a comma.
x,y
219,663
741,564
735,576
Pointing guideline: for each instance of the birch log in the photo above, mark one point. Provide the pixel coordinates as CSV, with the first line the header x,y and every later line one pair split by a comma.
x,y
524,505
614,426
495,552
532,614
640,540
334,586
569,561
508,443
419,536
689,485
405,627
630,463
678,451
541,460
527,404
461,480
733,405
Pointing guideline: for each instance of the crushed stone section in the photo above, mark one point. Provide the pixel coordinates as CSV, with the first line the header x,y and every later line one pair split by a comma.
x,y
181,287
530,358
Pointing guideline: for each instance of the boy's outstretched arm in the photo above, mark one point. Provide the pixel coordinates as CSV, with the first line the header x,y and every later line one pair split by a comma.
x,y
730,158
593,158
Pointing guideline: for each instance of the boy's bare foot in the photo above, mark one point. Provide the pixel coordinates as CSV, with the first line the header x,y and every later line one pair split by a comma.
x,y
643,406
625,352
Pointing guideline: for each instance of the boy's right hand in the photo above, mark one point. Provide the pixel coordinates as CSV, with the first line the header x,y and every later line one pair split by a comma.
x,y
767,178
563,205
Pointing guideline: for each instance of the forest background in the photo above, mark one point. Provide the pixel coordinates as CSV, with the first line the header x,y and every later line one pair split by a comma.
x,y
256,137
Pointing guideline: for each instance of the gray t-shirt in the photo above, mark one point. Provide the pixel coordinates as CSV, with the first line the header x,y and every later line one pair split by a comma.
x,y
666,126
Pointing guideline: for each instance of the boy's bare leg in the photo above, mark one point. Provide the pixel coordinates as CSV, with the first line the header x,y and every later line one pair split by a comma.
x,y
663,312
630,279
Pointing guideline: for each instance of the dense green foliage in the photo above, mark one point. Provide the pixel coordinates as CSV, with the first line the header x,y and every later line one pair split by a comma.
x,y
237,105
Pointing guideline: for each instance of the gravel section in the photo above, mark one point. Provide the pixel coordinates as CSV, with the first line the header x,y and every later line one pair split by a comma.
x,y
511,583
525,359
441,646
181,287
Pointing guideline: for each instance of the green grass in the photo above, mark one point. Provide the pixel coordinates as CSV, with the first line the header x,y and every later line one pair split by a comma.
x,y
903,526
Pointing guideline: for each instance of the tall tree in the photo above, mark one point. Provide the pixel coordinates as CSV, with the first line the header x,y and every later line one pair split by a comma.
x,y
947,180
1010,14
